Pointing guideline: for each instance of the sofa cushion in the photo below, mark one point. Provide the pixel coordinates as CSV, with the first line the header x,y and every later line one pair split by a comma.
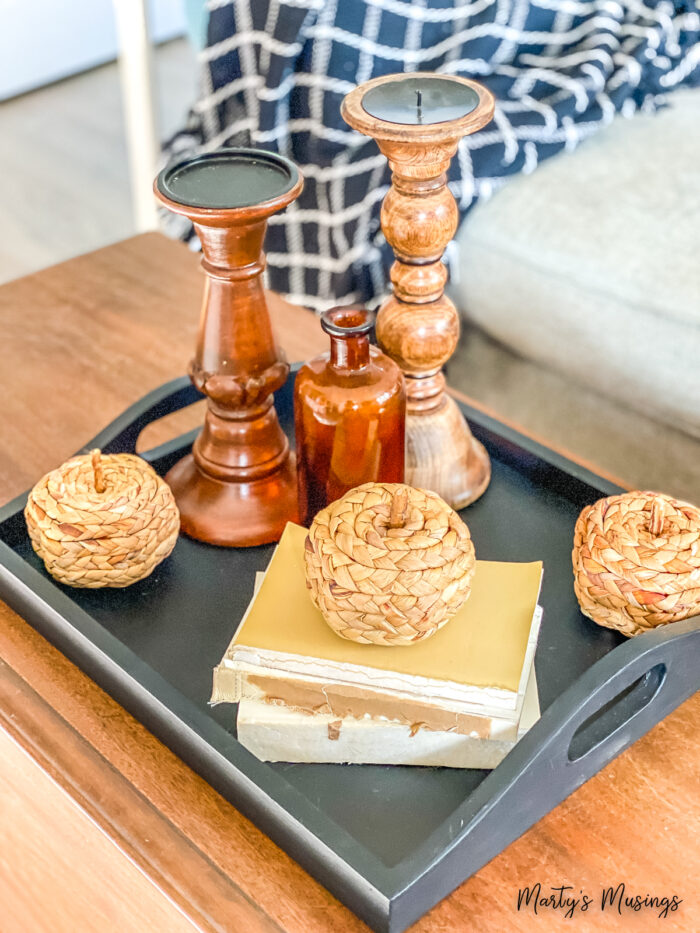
x,y
591,265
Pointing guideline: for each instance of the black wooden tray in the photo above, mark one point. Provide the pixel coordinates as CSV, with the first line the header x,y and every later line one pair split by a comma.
x,y
388,841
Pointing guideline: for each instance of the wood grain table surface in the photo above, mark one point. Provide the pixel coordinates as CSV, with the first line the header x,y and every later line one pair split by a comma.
x,y
102,828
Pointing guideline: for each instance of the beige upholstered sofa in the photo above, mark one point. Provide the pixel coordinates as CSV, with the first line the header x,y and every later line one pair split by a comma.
x,y
591,266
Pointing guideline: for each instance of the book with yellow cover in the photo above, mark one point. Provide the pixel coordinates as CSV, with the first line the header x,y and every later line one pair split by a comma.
x,y
476,667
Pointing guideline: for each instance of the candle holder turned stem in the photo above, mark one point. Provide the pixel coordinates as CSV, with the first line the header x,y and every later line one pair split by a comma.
x,y
418,325
238,486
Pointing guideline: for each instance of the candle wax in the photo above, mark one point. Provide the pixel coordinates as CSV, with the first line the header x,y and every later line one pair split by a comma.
x,y
226,180
416,101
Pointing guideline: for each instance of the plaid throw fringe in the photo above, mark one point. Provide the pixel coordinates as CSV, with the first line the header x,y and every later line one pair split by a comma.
x,y
274,72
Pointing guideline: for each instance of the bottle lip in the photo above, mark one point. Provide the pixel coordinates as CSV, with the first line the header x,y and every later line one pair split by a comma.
x,y
347,321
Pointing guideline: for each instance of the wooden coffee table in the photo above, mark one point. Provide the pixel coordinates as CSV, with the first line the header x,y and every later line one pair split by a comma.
x,y
102,827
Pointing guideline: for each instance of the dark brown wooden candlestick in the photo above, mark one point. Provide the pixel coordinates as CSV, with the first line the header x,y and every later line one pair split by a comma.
x,y
418,326
238,486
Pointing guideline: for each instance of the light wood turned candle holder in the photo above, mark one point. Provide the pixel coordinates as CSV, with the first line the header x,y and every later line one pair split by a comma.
x,y
238,486
418,325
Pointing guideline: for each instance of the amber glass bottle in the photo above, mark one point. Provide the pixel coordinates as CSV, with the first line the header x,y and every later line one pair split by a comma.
x,y
349,414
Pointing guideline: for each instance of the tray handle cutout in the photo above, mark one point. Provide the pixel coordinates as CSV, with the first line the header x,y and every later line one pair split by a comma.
x,y
614,703
616,712
621,697
123,433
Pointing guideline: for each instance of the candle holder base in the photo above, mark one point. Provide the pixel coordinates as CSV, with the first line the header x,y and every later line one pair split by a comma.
x,y
242,514
443,455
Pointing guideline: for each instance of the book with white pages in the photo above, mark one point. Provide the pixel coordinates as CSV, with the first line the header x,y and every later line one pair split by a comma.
x,y
274,732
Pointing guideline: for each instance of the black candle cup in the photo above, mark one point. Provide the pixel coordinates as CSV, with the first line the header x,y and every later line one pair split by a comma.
x,y
228,179
422,100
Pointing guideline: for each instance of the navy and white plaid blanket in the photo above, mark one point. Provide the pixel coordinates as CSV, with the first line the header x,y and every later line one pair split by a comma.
x,y
275,71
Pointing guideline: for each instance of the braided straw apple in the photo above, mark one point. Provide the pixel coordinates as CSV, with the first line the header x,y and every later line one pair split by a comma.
x,y
388,564
102,520
636,561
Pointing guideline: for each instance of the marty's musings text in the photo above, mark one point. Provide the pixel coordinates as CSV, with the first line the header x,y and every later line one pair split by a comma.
x,y
563,898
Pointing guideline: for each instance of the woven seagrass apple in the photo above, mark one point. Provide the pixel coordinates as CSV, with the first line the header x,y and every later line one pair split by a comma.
x,y
636,561
388,564
102,520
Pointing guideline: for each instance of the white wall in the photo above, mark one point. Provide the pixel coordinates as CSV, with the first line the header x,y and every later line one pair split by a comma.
x,y
44,40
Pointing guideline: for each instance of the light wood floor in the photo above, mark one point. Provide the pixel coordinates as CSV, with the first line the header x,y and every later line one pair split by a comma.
x,y
64,190
64,183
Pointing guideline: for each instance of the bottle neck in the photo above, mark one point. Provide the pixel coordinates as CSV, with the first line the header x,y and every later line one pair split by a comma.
x,y
350,353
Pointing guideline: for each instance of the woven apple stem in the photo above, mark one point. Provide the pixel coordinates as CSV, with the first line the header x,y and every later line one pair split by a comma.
x,y
397,516
96,459
658,516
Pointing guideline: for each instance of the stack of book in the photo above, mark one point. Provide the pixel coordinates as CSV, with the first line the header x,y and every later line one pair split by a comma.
x,y
459,699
